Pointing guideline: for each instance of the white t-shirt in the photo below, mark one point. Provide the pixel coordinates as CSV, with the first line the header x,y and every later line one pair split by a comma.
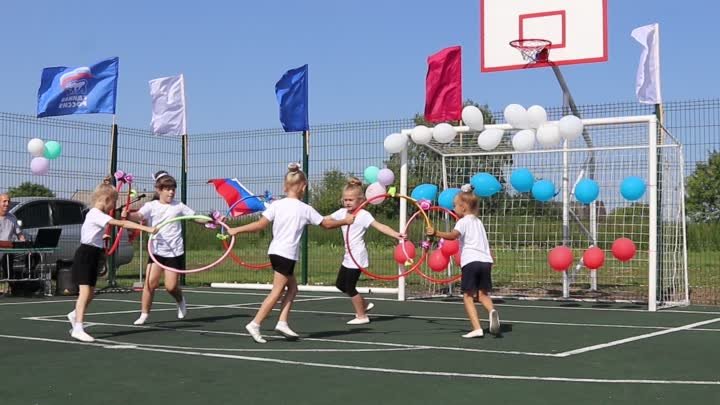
x,y
474,246
93,228
289,217
363,220
168,242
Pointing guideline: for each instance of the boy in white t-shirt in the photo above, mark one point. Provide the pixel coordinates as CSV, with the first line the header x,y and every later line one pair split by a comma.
x,y
91,251
168,245
289,217
349,273
475,260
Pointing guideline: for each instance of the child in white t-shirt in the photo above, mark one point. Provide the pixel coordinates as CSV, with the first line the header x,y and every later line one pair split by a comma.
x,y
349,273
168,245
289,217
475,260
91,251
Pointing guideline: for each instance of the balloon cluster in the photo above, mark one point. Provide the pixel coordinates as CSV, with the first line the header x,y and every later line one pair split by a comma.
x,y
43,153
440,258
561,258
441,133
378,179
533,127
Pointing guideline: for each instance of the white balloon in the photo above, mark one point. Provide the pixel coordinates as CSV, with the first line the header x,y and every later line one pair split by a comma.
x,y
548,135
473,117
36,147
395,143
536,116
444,133
490,138
570,127
516,116
524,140
421,135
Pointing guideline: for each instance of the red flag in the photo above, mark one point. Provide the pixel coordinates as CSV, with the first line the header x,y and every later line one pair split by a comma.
x,y
443,86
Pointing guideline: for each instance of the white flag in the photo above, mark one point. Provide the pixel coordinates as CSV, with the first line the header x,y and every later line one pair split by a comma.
x,y
168,106
647,82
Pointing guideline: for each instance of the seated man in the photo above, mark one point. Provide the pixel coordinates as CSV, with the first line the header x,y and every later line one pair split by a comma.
x,y
9,231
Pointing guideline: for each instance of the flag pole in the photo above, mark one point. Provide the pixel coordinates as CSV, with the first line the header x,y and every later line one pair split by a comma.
x,y
184,173
113,168
306,199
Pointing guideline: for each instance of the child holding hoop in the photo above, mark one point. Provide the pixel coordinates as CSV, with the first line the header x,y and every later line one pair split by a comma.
x,y
349,273
168,245
289,217
475,260
91,251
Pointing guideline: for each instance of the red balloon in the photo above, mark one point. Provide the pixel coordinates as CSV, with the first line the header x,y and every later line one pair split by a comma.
x,y
438,261
403,255
623,249
593,258
450,247
560,258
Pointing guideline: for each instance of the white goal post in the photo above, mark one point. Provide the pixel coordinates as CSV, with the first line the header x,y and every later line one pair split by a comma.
x,y
522,230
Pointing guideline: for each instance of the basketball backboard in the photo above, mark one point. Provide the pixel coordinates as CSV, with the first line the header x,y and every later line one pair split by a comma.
x,y
576,28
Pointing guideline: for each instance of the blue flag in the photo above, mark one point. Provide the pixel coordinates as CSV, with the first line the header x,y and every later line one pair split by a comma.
x,y
292,96
78,90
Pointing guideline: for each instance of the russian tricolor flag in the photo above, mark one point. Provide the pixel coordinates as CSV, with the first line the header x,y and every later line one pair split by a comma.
x,y
238,197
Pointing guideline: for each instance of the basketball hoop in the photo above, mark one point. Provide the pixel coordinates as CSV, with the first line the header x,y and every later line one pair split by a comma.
x,y
533,50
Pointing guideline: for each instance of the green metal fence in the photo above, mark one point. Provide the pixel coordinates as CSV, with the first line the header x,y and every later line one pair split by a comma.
x,y
259,158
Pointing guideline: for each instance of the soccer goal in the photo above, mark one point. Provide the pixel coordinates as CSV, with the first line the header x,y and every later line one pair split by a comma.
x,y
522,230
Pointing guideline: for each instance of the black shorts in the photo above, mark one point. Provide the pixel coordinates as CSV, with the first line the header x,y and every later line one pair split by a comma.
x,y
347,280
177,262
85,264
282,265
476,276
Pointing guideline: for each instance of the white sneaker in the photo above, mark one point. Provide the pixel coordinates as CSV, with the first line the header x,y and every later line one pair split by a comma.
x,y
81,336
182,309
494,322
474,334
142,319
254,331
71,318
369,307
284,329
359,321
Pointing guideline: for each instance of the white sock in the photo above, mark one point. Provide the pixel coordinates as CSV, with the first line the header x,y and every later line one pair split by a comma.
x,y
282,324
254,324
78,327
141,320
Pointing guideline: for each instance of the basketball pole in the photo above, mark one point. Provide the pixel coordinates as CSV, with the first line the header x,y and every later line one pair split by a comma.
x,y
569,103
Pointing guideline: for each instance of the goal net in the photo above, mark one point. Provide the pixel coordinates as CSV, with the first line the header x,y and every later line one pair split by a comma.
x,y
522,230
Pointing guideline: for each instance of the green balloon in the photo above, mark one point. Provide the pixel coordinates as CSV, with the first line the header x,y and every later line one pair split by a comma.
x,y
52,149
370,174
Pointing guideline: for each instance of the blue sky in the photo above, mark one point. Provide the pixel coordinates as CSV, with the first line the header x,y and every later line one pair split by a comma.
x,y
367,59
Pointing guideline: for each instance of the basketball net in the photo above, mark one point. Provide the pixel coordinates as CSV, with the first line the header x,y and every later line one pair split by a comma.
x,y
533,50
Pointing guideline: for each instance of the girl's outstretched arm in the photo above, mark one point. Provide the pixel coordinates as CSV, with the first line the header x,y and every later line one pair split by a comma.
x,y
329,223
452,235
386,230
132,225
256,226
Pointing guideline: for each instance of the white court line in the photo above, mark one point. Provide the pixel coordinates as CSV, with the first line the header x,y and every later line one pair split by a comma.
x,y
35,302
635,338
384,370
503,321
219,349
190,306
342,341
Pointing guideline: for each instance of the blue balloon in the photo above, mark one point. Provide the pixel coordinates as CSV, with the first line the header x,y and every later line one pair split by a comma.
x,y
522,180
447,198
632,188
425,192
587,191
485,184
543,190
